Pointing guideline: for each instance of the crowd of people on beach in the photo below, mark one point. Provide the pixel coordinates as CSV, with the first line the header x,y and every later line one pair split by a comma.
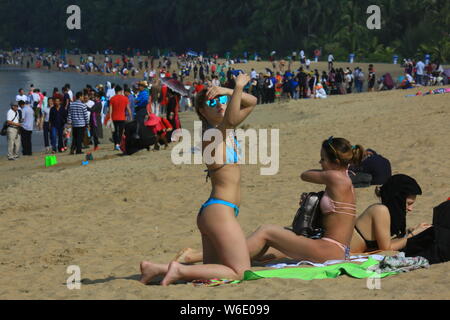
x,y
223,100
194,73
75,121
282,81
228,254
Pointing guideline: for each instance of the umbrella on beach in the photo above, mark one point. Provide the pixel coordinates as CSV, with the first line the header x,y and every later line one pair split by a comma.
x,y
176,86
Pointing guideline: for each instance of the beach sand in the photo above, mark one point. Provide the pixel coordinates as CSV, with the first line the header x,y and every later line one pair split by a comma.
x,y
110,215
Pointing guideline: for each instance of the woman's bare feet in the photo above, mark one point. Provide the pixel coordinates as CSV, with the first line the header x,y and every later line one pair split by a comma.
x,y
172,275
149,271
184,256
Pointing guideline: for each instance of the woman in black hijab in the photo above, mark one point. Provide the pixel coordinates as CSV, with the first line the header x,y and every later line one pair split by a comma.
x,y
383,226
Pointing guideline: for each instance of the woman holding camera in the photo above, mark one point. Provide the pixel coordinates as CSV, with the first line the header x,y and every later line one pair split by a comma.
x,y
224,244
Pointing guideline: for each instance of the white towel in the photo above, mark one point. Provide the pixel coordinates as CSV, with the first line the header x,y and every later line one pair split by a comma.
x,y
328,263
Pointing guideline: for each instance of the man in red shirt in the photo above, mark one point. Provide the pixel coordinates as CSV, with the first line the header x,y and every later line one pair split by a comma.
x,y
119,104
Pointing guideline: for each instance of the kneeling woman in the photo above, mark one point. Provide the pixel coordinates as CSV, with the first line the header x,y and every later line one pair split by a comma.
x,y
338,206
224,244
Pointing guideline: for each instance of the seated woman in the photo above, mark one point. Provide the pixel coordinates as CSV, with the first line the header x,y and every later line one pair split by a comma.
x,y
338,208
407,82
320,92
383,226
374,170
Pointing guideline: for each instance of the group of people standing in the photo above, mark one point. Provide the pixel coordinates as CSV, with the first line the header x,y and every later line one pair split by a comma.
x,y
76,121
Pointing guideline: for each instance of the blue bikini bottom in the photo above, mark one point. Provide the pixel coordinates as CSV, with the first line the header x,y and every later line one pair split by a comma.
x,y
217,201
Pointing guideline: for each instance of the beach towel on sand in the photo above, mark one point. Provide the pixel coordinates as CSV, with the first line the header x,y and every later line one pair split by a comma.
x,y
359,271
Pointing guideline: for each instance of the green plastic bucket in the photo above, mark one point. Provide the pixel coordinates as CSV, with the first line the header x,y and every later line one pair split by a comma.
x,y
50,161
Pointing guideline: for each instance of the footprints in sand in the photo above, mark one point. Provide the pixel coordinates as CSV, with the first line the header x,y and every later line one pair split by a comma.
x,y
64,257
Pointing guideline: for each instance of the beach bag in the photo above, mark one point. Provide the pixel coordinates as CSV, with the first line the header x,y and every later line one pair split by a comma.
x,y
138,137
4,130
308,219
441,223
434,243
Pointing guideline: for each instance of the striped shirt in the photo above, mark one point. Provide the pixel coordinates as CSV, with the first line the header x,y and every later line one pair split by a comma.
x,y
78,115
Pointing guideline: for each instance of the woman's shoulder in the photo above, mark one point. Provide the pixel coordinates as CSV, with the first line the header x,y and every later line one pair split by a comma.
x,y
379,209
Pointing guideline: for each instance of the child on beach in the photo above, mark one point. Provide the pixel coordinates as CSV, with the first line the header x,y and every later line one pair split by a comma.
x,y
224,244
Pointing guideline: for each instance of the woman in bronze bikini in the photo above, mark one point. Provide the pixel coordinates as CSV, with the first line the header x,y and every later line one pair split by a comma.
x,y
338,207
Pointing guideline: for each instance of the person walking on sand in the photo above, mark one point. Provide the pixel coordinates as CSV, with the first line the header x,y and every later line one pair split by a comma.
x,y
46,107
27,128
13,131
57,120
371,78
330,61
224,244
119,106
78,119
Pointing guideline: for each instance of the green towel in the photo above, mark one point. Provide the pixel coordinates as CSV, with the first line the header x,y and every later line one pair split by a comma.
x,y
329,272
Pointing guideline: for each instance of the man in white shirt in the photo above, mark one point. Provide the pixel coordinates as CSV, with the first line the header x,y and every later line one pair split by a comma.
x,y
420,67
254,74
69,91
308,64
330,61
13,133
21,96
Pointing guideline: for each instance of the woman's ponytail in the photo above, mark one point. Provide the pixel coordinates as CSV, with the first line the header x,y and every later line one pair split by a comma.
x,y
358,154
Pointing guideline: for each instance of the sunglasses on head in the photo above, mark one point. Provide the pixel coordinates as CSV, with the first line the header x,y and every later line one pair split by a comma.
x,y
330,143
213,102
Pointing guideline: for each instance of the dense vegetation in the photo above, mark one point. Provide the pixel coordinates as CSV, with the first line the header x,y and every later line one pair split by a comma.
x,y
409,27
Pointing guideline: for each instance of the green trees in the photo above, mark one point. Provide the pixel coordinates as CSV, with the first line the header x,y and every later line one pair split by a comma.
x,y
409,27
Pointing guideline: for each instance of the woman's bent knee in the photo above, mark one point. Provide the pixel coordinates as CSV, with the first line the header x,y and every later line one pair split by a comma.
x,y
267,229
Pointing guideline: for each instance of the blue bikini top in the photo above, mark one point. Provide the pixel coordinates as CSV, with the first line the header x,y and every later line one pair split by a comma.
x,y
233,155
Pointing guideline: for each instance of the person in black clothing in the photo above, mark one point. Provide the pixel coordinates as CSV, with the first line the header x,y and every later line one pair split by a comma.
x,y
172,105
268,84
95,120
195,71
57,121
374,170
339,81
202,73
383,226
303,83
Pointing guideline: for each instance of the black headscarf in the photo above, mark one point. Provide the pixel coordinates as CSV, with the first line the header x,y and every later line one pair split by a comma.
x,y
393,195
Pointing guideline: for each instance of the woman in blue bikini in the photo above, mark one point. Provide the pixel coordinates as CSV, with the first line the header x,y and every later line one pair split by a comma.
x,y
338,207
224,244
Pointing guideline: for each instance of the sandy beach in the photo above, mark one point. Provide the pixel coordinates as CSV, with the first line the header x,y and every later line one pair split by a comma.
x,y
110,215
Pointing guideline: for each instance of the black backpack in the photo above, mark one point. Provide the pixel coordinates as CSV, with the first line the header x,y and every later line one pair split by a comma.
x,y
138,137
434,243
308,220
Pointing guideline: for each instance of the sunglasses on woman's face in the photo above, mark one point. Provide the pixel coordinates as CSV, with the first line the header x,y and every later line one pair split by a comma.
x,y
213,102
